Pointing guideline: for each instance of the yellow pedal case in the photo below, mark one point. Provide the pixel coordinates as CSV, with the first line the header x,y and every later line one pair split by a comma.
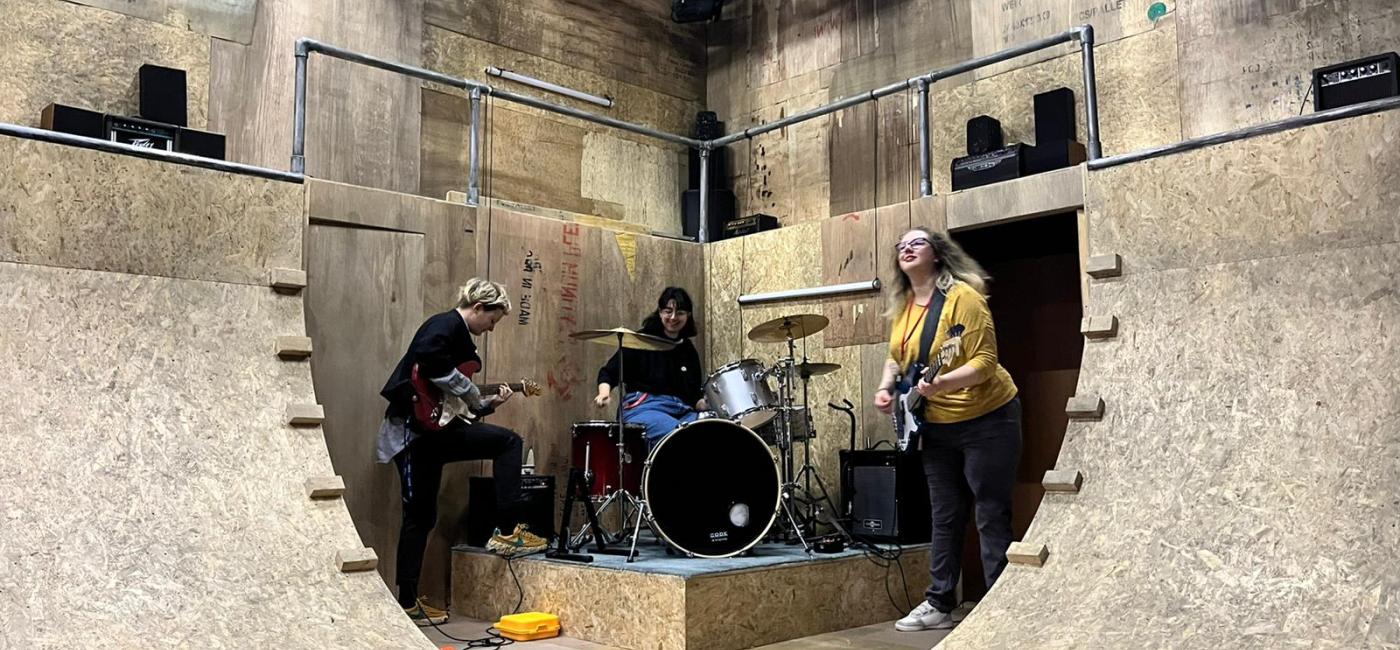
x,y
528,626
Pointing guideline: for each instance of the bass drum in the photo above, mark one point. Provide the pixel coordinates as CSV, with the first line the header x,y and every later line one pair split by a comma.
x,y
712,488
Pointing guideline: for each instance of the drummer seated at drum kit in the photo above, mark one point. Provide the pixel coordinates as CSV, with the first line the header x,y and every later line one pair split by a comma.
x,y
664,389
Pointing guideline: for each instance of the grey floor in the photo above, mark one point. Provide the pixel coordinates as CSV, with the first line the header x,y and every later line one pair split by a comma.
x,y
881,636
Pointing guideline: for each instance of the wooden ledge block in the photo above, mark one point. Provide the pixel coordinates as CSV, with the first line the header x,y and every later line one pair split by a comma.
x,y
305,415
1104,266
1062,480
294,347
1099,327
1084,407
327,487
286,280
360,559
1027,553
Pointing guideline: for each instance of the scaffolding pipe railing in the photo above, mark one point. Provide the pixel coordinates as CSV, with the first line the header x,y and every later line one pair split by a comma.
x,y
305,46
1084,34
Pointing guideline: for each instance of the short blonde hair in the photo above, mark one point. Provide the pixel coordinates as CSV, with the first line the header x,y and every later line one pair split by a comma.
x,y
491,295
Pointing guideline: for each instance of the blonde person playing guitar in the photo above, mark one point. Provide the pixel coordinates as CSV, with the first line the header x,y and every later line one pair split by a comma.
x,y
438,364
970,427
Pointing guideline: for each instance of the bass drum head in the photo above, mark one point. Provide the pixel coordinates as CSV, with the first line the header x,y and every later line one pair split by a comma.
x,y
712,488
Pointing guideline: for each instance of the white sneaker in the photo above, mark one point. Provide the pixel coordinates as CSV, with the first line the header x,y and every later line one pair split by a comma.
x,y
924,617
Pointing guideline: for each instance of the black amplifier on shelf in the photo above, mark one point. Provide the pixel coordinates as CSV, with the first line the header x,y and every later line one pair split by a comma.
x,y
1355,82
740,226
992,167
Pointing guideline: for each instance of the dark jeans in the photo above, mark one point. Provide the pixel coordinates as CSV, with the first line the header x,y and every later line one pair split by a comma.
x,y
420,474
970,463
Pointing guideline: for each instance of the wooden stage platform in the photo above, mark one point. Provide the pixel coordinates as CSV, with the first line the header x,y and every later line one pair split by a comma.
x,y
662,602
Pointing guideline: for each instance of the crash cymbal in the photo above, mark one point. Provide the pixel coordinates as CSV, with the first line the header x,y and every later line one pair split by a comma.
x,y
781,329
632,340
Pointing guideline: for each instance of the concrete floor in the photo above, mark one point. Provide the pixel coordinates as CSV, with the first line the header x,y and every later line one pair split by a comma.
x,y
881,636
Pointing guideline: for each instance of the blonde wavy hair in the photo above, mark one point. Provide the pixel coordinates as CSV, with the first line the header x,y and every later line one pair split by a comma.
x,y
491,295
952,263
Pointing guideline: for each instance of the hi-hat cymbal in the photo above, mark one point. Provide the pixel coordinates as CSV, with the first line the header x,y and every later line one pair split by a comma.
x,y
817,369
632,340
781,329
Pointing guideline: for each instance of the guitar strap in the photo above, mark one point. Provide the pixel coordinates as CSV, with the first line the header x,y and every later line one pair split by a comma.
x,y
931,320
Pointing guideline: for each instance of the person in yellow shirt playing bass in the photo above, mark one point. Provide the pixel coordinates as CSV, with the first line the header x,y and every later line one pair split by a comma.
x,y
970,430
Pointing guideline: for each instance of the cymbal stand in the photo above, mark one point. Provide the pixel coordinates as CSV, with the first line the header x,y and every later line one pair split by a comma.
x,y
620,496
798,486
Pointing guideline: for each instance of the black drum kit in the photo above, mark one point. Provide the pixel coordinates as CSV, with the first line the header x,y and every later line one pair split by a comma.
x,y
713,487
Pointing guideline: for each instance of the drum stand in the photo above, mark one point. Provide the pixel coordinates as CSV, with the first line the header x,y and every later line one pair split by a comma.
x,y
626,501
797,487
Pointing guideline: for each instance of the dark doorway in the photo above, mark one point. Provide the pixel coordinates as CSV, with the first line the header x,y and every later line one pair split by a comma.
x,y
1037,307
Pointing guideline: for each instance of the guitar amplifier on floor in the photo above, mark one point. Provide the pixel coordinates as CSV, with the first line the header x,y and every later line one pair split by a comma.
x,y
537,492
885,496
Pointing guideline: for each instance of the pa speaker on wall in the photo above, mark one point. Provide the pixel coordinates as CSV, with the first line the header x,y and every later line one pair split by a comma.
x,y
983,135
1054,116
75,121
160,95
721,208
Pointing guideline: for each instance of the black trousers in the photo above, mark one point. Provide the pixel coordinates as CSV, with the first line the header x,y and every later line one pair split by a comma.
x,y
970,464
420,475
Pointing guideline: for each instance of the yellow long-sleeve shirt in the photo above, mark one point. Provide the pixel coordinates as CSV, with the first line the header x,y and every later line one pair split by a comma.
x,y
963,306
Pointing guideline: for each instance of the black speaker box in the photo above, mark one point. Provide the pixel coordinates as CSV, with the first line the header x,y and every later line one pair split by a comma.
x,y
992,167
1354,82
1052,155
1054,116
201,143
537,493
719,168
983,135
76,121
707,126
721,208
884,494
160,95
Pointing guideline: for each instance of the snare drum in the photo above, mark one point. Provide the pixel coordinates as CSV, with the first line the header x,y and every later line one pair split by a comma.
x,y
739,391
595,451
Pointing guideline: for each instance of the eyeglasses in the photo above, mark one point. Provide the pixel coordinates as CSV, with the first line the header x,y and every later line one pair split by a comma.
x,y
676,313
911,245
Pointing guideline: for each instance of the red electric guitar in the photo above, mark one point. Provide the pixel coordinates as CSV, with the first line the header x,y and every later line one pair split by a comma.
x,y
434,410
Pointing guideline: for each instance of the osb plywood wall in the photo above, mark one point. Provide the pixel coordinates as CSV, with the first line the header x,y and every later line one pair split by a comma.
x,y
1166,71
58,52
176,506
1223,477
652,68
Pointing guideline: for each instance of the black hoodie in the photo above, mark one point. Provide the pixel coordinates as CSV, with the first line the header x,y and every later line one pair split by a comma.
x,y
675,372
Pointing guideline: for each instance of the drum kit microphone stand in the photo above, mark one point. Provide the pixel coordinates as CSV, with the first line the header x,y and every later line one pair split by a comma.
x,y
746,413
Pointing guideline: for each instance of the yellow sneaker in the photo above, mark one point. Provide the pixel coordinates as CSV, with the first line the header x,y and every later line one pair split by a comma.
x,y
520,542
424,615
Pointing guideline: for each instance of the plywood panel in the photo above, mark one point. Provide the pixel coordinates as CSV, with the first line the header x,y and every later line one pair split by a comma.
x,y
363,301
1137,78
187,517
579,279
64,53
1246,62
80,208
230,20
1003,24
658,53
463,56
362,123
